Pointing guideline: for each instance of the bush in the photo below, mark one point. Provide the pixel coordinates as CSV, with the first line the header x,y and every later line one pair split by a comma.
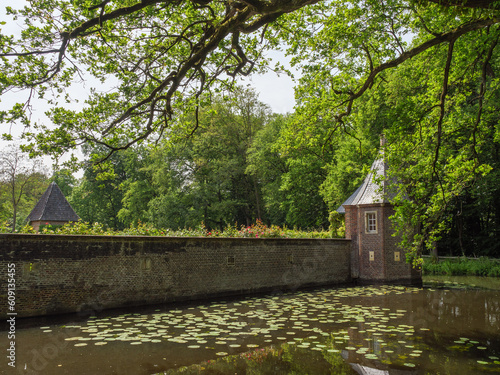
x,y
49,227
257,230
463,267
5,227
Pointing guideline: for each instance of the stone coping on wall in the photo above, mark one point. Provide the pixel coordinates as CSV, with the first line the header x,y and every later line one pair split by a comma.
x,y
152,238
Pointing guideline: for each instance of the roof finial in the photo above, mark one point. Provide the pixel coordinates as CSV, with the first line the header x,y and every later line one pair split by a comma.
x,y
383,141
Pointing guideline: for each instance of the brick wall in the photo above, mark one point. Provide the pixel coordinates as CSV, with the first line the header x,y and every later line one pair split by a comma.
x,y
396,270
59,274
371,269
351,232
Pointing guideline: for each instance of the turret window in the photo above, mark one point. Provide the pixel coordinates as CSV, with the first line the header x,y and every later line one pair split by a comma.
x,y
371,222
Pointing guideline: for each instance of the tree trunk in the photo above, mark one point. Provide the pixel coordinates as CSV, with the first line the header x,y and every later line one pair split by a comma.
x,y
14,218
257,199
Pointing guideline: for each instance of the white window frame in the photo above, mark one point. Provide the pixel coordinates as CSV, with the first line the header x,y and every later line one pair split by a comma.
x,y
371,222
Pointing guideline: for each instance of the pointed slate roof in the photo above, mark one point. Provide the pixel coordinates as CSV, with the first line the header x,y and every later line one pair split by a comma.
x,y
53,206
371,191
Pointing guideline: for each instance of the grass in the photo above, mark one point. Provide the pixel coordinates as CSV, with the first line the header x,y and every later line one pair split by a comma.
x,y
463,267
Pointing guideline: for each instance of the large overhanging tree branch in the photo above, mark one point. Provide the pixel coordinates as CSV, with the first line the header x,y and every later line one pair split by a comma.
x,y
347,96
159,55
416,72
485,4
152,57
448,37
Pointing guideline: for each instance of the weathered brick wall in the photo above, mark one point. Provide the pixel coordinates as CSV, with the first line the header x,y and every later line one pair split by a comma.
x,y
396,270
58,274
351,232
383,246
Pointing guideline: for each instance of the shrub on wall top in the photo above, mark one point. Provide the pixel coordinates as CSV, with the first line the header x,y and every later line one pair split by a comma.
x,y
257,230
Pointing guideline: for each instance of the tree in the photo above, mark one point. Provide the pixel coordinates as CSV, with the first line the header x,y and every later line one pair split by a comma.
x,y
426,76
267,165
220,157
306,151
22,182
98,196
163,54
64,178
203,177
138,188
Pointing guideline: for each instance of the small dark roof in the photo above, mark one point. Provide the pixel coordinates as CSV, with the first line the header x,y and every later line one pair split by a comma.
x,y
371,191
53,206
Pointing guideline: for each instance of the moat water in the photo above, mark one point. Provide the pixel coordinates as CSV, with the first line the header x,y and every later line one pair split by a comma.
x,y
450,326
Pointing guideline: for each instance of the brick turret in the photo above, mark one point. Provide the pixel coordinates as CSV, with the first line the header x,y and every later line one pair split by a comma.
x,y
376,256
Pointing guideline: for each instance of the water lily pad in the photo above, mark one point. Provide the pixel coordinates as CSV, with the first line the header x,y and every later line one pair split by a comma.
x,y
73,338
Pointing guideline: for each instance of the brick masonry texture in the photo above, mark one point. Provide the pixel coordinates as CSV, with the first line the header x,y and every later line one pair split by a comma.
x,y
384,245
87,274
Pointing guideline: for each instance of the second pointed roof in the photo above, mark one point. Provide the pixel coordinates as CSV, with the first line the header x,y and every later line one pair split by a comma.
x,y
53,206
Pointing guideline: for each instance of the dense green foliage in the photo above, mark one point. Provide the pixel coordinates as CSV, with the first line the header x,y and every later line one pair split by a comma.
x,y
234,169
427,77
424,73
257,230
463,267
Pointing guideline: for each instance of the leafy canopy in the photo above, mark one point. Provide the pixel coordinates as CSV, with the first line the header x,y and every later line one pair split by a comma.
x,y
158,56
424,75
425,72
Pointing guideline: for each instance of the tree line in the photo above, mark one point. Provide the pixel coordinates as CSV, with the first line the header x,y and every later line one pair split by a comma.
x,y
424,73
244,164
232,170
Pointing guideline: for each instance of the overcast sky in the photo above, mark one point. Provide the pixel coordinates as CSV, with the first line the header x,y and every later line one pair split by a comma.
x,y
274,90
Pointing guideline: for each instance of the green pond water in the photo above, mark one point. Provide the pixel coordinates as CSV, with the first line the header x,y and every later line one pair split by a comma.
x,y
451,326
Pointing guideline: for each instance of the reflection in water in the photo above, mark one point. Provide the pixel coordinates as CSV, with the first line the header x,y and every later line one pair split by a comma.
x,y
358,330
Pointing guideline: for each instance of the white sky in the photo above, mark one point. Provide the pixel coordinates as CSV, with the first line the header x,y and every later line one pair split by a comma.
x,y
275,90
